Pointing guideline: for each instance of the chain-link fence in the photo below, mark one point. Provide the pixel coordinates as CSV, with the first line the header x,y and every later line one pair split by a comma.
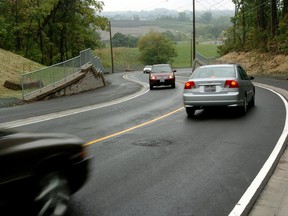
x,y
38,80
202,60
205,60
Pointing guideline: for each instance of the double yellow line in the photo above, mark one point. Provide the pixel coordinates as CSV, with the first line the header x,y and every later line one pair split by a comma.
x,y
132,128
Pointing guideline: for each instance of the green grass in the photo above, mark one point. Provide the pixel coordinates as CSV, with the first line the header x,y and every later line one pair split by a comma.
x,y
128,58
11,68
123,58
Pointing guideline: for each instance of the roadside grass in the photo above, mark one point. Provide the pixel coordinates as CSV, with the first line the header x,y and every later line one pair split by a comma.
x,y
11,68
184,53
123,58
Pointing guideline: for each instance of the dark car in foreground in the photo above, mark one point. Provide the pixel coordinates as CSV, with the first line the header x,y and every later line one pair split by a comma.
x,y
162,75
226,85
39,172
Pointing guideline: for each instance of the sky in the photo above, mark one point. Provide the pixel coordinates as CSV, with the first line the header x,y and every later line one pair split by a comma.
x,y
179,5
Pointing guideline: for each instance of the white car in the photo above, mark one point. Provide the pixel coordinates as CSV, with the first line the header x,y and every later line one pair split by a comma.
x,y
147,69
226,85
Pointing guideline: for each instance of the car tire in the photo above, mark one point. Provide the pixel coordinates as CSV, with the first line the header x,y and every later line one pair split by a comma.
x,y
53,196
173,86
252,101
190,111
151,87
243,108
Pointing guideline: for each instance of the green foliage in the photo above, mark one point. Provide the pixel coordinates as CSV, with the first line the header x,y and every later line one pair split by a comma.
x,y
206,17
121,40
259,25
49,31
156,48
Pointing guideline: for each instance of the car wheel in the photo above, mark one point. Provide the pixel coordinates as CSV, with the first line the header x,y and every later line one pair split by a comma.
x,y
151,87
243,108
190,111
173,85
53,196
252,102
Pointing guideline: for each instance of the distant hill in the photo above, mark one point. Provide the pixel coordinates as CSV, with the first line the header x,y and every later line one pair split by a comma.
x,y
156,13
138,23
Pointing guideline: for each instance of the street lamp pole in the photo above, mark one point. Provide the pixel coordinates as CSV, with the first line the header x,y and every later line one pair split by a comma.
x,y
111,47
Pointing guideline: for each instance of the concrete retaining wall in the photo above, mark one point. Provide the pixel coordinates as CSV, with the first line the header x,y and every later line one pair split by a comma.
x,y
88,78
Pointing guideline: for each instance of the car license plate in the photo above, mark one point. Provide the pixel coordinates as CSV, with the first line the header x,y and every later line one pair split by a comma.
x,y
210,88
162,79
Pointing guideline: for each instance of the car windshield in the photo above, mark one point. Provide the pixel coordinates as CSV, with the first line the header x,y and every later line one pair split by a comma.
x,y
214,72
161,69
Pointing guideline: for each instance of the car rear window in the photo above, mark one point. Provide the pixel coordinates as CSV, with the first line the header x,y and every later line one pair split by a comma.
x,y
4,133
161,69
214,72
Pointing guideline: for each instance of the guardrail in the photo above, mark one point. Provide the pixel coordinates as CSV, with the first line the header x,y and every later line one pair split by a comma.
x,y
202,60
38,80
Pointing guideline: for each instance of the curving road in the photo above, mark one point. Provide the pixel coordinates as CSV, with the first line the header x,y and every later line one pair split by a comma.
x,y
149,157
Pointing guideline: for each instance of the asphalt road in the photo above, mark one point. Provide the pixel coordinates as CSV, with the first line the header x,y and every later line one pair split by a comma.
x,y
172,165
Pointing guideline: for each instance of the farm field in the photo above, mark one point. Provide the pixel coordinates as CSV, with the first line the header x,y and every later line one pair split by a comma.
x,y
128,58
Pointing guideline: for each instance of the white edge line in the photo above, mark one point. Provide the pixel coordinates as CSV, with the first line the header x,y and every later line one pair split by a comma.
x,y
244,204
47,117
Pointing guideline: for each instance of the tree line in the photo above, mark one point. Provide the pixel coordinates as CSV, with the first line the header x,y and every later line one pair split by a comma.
x,y
260,25
50,31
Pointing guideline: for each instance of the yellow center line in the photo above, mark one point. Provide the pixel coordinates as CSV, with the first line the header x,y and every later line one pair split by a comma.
x,y
132,128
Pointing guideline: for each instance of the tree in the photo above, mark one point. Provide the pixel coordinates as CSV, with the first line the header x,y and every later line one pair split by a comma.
x,y
274,20
156,48
121,40
206,17
49,31
182,17
259,25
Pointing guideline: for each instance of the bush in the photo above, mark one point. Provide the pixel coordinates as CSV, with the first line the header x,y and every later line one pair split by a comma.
x,y
156,48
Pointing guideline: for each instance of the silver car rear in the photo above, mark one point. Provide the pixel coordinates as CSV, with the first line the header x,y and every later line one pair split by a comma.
x,y
218,85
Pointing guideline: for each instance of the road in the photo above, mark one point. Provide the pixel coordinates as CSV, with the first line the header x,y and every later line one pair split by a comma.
x,y
150,158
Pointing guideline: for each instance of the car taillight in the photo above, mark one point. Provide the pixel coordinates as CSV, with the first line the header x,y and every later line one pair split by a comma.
x,y
231,84
153,77
189,85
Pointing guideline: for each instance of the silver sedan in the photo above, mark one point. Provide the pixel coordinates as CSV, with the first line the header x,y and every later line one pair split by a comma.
x,y
226,85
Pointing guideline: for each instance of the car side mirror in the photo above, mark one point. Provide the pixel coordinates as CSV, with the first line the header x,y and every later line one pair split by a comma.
x,y
252,77
174,70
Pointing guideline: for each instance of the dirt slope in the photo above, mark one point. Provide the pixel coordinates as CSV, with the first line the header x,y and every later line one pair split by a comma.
x,y
259,64
11,68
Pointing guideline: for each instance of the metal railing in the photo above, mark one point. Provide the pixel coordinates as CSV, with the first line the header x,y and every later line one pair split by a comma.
x,y
38,80
202,60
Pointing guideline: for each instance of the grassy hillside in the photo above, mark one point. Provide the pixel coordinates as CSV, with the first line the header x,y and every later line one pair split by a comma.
x,y
11,68
128,58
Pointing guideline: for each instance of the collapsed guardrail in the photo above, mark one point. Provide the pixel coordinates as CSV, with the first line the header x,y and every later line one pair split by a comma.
x,y
38,80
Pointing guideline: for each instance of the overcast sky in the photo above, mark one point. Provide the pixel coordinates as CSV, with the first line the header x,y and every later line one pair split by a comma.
x,y
179,5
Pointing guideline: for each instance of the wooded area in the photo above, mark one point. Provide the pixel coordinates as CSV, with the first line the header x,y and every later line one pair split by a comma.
x,y
260,25
50,31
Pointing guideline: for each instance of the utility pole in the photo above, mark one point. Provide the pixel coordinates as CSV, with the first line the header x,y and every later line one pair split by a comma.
x,y
111,47
193,29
